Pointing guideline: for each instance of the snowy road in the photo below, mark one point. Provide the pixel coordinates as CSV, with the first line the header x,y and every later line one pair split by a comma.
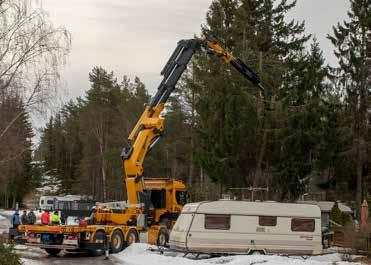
x,y
40,257
138,254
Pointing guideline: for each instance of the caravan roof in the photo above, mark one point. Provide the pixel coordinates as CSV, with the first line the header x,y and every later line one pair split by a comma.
x,y
253,208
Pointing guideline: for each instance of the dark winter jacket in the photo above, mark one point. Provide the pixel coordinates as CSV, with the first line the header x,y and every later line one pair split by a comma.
x,y
31,218
24,219
15,219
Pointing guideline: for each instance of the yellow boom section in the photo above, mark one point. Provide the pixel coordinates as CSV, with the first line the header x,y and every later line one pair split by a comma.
x,y
145,132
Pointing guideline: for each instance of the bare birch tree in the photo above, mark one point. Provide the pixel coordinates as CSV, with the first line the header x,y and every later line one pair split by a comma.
x,y
32,51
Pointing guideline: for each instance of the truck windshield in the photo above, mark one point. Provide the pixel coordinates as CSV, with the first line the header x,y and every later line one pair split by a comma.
x,y
181,197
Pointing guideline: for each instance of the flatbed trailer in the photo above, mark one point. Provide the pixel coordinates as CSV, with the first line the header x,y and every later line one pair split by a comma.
x,y
91,238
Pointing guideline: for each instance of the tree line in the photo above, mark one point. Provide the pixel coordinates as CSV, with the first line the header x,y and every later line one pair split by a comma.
x,y
312,140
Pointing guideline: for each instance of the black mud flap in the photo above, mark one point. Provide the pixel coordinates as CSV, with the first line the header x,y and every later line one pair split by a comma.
x,y
91,246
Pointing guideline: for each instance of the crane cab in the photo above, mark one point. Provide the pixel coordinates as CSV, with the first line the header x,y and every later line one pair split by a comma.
x,y
165,199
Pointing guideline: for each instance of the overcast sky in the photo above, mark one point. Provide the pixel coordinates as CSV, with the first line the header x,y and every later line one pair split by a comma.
x,y
136,37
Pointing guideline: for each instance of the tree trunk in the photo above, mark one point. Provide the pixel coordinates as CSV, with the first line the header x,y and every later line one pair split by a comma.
x,y
191,167
103,171
13,202
359,180
261,153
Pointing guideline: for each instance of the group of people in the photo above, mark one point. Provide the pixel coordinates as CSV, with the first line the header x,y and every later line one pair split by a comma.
x,y
24,219
47,219
30,218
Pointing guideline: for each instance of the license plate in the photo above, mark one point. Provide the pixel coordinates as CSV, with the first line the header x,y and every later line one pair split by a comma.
x,y
70,242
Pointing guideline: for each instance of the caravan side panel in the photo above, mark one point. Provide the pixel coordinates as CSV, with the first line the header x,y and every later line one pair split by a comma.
x,y
245,234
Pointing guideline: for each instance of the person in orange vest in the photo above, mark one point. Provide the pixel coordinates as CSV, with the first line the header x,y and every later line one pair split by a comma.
x,y
45,217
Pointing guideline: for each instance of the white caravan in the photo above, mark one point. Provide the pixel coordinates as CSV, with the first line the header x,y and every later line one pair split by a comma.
x,y
46,203
242,227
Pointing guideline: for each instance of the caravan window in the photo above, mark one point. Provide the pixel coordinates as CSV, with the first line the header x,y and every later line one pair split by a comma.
x,y
302,225
267,220
217,221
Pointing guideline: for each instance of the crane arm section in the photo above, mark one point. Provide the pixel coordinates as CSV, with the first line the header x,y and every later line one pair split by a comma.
x,y
150,125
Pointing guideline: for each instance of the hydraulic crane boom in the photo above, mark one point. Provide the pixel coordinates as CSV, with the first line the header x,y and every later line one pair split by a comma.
x,y
150,125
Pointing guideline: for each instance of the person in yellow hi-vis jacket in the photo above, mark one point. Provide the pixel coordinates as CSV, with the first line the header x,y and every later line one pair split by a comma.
x,y
55,219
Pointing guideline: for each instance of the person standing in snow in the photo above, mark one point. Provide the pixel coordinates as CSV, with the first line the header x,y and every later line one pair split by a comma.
x,y
15,219
24,218
31,217
45,217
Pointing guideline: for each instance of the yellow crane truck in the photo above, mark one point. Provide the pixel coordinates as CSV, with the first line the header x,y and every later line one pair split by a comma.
x,y
153,203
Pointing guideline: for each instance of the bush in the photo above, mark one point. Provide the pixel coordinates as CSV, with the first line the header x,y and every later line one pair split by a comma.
x,y
7,255
338,216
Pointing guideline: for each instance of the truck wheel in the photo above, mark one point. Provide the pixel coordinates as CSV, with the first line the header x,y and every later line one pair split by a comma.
x,y
117,242
132,237
99,236
163,238
53,251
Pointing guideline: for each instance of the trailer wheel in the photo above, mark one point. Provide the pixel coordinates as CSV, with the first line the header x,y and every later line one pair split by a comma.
x,y
117,242
52,251
132,237
163,237
99,236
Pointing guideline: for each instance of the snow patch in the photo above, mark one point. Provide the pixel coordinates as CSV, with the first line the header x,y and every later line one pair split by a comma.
x,y
140,254
30,262
49,185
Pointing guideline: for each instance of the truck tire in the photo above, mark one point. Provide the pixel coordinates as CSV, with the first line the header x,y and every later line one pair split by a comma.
x,y
52,251
99,235
117,242
162,238
132,237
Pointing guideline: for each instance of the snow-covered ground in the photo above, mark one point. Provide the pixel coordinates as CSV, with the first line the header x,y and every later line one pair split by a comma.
x,y
139,254
4,224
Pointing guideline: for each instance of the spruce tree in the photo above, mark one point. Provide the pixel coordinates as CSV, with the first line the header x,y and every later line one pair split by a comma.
x,y
350,41
233,132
